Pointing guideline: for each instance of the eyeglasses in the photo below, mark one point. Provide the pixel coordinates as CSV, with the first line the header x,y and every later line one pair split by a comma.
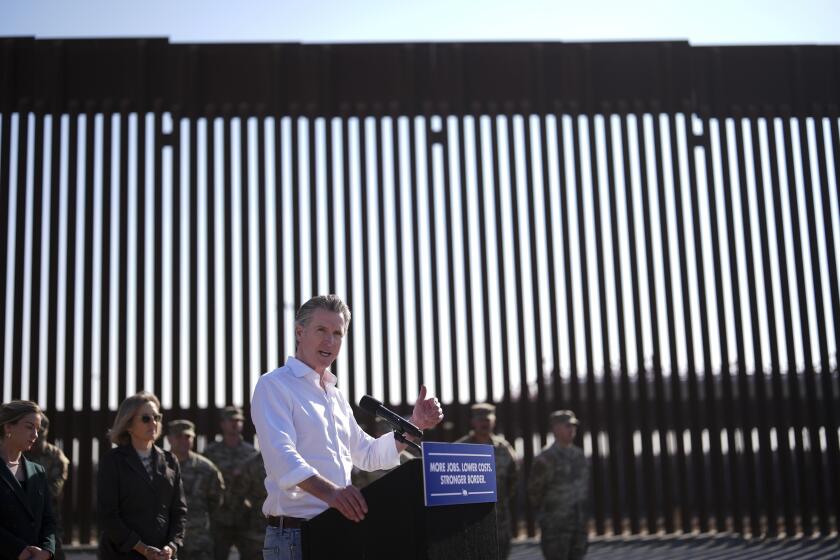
x,y
146,418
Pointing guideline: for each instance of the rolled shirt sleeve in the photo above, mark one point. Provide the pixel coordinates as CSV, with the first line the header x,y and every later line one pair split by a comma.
x,y
371,454
272,416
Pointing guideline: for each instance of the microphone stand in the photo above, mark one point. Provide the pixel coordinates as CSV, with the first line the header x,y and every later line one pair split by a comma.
x,y
400,436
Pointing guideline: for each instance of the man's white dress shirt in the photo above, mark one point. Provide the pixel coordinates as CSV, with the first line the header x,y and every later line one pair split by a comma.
x,y
305,430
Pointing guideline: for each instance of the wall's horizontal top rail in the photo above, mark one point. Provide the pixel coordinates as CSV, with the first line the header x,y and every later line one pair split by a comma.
x,y
50,75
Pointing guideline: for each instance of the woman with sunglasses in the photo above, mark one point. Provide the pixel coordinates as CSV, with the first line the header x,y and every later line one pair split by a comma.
x,y
139,491
27,526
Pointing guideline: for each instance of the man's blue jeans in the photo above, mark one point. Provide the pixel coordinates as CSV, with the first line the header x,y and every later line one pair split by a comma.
x,y
282,544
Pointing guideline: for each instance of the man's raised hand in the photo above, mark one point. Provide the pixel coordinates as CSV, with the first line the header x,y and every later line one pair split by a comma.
x,y
427,413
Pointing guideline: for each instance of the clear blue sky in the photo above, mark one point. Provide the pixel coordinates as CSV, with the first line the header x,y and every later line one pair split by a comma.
x,y
701,22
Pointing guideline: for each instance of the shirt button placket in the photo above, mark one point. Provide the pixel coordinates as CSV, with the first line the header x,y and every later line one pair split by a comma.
x,y
341,444
337,443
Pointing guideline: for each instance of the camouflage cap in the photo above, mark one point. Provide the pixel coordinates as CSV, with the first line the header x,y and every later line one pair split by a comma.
x,y
177,427
482,410
563,417
232,413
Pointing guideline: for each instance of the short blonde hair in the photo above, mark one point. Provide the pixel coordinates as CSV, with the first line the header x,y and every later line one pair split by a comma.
x,y
13,411
118,434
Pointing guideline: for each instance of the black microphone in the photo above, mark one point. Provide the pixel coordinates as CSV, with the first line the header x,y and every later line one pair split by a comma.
x,y
376,408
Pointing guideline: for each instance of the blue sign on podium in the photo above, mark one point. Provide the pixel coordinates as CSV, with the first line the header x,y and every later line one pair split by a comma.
x,y
458,473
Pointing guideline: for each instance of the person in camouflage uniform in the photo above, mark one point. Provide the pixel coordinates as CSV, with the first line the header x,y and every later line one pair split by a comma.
x,y
483,423
559,489
230,522
203,488
56,465
250,484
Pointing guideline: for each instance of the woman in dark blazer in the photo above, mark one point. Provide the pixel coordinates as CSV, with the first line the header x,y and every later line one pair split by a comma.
x,y
27,526
141,502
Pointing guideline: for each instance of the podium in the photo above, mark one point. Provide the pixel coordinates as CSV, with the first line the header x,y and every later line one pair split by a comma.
x,y
399,525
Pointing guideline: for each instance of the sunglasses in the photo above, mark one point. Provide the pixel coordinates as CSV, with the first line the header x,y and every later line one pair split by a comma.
x,y
146,418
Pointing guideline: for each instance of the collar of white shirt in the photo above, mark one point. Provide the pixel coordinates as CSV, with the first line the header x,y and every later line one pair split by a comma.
x,y
300,369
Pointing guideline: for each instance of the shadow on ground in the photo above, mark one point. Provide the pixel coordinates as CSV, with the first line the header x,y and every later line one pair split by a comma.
x,y
677,547
695,547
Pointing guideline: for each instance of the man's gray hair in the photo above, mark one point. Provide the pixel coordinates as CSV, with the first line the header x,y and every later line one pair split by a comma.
x,y
330,302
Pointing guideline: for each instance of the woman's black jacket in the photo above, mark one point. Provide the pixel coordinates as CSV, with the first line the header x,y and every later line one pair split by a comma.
x,y
26,517
135,507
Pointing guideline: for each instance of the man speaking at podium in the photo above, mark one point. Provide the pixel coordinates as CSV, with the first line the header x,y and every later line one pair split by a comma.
x,y
308,435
